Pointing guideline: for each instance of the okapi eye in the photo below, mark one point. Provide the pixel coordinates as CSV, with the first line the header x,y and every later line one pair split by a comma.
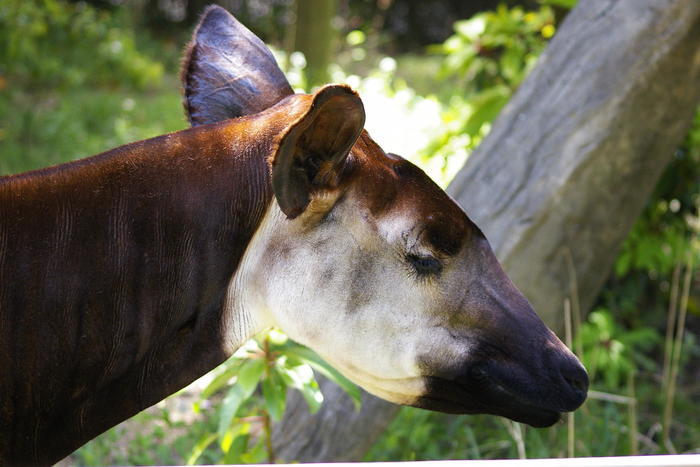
x,y
425,264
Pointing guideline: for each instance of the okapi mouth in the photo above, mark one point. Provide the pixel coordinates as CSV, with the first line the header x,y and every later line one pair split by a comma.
x,y
483,391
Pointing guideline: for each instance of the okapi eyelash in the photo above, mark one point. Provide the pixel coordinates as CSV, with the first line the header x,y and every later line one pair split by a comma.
x,y
424,266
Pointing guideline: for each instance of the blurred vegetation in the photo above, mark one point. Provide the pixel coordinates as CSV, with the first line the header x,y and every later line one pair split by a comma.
x,y
75,81
79,78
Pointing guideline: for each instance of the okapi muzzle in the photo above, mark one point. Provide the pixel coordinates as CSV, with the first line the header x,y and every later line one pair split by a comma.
x,y
127,275
516,367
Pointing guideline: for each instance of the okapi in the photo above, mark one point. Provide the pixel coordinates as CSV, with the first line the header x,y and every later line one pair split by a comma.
x,y
127,275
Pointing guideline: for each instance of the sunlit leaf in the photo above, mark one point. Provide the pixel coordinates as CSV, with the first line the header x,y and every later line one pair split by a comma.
x,y
486,108
199,448
568,4
250,374
238,447
248,378
320,365
233,400
471,28
230,369
301,377
275,394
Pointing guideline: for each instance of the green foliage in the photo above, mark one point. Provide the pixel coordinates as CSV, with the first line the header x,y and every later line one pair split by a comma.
x,y
273,364
55,43
72,84
566,4
611,353
152,437
40,130
661,237
601,428
496,47
486,59
230,417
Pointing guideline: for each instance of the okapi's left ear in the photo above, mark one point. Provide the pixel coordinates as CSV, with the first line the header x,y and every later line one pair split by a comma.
x,y
228,72
311,153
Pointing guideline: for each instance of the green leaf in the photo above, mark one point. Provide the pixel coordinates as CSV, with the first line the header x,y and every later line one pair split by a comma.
x,y
255,455
471,28
569,4
301,377
622,266
313,397
248,379
237,449
199,448
511,63
486,107
250,374
275,395
233,400
231,369
309,356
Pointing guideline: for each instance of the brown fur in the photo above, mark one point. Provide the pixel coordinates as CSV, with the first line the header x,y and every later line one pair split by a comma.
x,y
113,271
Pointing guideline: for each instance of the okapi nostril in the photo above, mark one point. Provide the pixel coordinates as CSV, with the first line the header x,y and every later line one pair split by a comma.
x,y
576,377
577,384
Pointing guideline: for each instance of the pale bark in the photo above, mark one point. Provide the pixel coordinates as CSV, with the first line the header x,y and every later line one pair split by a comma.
x,y
557,184
574,156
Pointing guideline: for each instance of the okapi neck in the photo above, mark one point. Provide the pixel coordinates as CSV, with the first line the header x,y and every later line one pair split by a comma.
x,y
159,228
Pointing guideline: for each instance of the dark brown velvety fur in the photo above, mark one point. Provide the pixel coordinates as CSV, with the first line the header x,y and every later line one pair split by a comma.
x,y
113,271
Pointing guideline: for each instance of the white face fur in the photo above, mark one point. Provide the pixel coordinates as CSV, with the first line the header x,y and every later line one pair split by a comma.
x,y
342,286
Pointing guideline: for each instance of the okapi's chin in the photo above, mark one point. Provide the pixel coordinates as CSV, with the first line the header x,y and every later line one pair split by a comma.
x,y
479,392
534,417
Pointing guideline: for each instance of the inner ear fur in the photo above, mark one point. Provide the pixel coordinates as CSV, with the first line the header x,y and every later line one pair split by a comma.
x,y
312,151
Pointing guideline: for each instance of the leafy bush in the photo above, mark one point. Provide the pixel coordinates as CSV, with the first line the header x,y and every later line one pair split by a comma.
x,y
484,61
58,44
72,84
611,354
274,364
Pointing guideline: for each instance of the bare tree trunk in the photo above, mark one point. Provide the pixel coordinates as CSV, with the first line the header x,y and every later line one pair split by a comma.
x,y
573,158
557,184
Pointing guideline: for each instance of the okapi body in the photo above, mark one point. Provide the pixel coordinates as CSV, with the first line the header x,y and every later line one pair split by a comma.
x,y
125,276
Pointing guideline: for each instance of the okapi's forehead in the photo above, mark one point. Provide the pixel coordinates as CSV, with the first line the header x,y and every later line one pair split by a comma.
x,y
393,186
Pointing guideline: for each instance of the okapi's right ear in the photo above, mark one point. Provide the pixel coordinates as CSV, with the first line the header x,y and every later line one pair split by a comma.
x,y
310,154
228,72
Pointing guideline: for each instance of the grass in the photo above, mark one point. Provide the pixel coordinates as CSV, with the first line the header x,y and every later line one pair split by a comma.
x,y
673,347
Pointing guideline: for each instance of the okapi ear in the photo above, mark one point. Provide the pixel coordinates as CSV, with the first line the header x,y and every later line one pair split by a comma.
x,y
311,153
227,71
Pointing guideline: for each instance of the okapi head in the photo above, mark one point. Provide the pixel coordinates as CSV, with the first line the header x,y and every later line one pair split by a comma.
x,y
364,259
